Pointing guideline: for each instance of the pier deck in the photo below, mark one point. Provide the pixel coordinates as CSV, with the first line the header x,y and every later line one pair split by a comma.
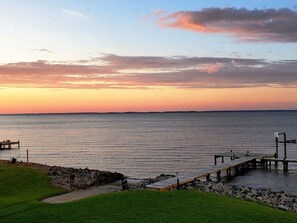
x,y
236,155
190,177
7,144
280,160
263,159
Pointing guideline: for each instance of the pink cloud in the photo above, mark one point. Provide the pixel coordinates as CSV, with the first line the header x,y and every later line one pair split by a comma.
x,y
114,71
214,68
267,25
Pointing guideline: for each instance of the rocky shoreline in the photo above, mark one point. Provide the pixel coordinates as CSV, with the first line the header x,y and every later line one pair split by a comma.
x,y
276,199
74,179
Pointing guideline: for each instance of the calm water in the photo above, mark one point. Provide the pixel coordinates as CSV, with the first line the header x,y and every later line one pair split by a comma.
x,y
143,145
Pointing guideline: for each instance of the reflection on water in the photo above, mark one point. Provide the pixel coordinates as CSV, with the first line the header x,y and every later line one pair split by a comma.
x,y
144,145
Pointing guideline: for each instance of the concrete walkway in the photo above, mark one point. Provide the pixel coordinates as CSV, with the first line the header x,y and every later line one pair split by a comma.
x,y
80,194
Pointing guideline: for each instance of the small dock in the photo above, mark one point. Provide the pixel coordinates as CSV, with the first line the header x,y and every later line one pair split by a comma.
x,y
7,144
240,165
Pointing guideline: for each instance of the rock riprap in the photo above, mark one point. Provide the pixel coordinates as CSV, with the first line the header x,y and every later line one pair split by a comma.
x,y
280,199
277,199
73,179
135,184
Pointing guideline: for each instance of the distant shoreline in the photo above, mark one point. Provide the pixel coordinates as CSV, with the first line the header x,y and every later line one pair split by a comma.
x,y
149,112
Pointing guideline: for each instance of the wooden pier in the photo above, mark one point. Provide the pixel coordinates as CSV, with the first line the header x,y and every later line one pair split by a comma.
x,y
7,144
240,165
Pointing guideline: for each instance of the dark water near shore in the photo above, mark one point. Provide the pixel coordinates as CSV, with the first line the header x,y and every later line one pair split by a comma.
x,y
143,145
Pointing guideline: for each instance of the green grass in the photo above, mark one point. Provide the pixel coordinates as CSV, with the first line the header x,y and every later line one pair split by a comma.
x,y
21,189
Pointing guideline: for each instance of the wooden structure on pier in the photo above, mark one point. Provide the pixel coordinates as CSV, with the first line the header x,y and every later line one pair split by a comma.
x,y
276,159
7,144
267,162
240,165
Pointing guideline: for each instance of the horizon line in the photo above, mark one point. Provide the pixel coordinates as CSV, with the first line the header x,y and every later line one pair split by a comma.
x,y
151,112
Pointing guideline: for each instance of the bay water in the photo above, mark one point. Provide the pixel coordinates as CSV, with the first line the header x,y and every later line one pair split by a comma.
x,y
144,145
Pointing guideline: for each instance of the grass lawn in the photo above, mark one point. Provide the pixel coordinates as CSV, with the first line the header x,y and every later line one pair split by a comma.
x,y
21,189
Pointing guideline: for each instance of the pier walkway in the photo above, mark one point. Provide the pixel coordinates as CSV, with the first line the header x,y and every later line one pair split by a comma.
x,y
7,144
240,163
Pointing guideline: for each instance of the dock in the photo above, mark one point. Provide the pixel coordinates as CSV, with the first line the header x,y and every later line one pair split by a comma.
x,y
240,165
7,144
262,160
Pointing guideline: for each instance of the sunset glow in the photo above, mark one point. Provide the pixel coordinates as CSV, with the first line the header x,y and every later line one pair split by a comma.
x,y
147,56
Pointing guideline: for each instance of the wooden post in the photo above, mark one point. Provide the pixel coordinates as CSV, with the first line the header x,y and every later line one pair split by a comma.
x,y
208,177
229,173
177,184
236,171
285,145
286,166
219,176
241,168
276,151
222,159
263,163
215,160
244,168
27,156
177,180
18,144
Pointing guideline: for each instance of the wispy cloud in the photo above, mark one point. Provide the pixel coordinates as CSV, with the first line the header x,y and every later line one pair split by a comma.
x,y
114,71
73,13
260,25
43,50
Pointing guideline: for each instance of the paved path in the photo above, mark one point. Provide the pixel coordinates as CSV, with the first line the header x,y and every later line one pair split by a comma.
x,y
80,194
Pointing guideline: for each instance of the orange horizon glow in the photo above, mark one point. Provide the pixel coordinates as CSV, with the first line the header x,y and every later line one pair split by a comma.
x,y
43,100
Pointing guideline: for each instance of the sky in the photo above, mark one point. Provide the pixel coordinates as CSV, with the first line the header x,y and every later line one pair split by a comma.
x,y
136,55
